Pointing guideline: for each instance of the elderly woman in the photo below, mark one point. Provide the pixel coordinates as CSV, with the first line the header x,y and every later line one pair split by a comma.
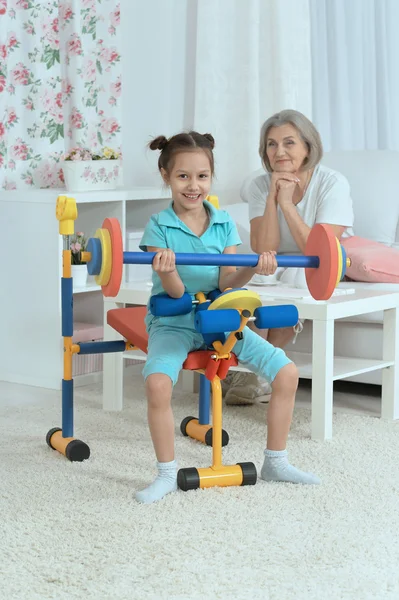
x,y
294,193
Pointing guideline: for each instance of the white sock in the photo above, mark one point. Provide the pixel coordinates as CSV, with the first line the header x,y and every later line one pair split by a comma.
x,y
277,468
164,483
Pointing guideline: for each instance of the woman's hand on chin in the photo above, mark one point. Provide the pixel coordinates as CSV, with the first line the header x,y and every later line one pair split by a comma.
x,y
277,180
285,191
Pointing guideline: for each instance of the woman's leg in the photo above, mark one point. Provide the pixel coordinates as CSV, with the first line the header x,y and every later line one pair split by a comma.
x,y
245,388
279,338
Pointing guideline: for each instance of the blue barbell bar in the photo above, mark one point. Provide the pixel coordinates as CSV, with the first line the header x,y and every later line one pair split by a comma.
x,y
226,260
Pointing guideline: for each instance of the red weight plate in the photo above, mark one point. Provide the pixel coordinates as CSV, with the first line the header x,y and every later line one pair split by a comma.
x,y
114,283
322,243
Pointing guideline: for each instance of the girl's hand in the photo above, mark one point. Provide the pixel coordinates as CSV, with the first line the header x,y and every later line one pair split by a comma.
x,y
164,261
267,263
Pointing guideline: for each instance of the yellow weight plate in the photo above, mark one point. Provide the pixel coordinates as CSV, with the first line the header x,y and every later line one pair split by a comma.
x,y
339,276
106,263
239,299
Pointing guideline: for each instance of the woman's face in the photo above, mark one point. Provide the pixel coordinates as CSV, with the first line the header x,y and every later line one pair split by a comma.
x,y
285,149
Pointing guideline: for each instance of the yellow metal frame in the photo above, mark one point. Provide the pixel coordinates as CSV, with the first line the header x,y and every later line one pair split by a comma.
x,y
214,200
219,474
66,213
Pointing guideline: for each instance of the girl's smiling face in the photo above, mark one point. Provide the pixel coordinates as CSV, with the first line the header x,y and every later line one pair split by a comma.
x,y
189,179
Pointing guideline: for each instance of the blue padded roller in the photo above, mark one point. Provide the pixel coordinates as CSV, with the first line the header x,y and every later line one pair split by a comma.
x,y
213,295
163,305
209,338
269,317
210,321
94,265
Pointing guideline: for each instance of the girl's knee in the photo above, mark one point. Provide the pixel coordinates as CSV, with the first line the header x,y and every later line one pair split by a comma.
x,y
159,389
287,379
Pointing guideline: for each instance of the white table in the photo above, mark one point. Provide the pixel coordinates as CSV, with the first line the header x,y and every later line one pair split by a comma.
x,y
321,366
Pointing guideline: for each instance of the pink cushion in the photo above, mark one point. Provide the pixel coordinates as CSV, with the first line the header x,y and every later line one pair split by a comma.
x,y
371,262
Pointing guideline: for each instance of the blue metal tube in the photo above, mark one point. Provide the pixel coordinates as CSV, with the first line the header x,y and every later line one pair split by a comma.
x,y
204,400
102,347
67,408
227,260
67,306
67,332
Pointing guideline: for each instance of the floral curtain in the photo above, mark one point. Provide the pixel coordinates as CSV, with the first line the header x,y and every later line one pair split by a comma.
x,y
60,85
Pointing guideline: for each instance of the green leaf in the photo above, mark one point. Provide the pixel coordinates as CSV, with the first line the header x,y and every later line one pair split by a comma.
x,y
53,132
99,137
50,57
99,67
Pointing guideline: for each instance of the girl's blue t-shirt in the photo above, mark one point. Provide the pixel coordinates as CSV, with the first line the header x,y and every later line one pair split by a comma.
x,y
166,230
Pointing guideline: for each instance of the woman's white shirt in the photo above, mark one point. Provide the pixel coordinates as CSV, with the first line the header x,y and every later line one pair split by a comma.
x,y
326,200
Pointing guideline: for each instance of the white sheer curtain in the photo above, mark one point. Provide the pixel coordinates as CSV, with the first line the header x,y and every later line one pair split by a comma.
x,y
355,50
252,59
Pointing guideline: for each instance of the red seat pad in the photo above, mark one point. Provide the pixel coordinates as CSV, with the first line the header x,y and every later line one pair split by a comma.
x,y
129,322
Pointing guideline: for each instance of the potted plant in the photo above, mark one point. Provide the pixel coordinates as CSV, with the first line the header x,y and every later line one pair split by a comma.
x,y
79,268
85,170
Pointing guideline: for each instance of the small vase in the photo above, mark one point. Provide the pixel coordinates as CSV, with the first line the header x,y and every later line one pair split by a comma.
x,y
79,275
88,175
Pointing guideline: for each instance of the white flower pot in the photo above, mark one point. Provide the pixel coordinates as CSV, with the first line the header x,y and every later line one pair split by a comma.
x,y
79,276
87,175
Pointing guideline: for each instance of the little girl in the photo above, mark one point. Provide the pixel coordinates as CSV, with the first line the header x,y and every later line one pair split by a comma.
x,y
191,224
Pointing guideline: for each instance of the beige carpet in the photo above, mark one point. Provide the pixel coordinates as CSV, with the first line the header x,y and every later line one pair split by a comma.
x,y
72,530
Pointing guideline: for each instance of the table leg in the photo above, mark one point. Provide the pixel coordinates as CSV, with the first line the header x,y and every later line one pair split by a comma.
x,y
188,381
112,366
390,375
322,379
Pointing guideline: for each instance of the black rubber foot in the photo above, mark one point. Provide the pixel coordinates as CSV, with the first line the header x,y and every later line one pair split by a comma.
x,y
77,451
49,435
249,474
184,423
209,437
188,479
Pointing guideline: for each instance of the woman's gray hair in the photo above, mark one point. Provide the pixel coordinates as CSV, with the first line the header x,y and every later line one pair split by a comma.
x,y
306,130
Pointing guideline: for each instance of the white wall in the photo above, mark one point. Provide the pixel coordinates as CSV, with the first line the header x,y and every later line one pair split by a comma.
x,y
158,46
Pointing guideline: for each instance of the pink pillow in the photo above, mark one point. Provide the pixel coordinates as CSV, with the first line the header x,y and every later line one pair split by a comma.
x,y
371,262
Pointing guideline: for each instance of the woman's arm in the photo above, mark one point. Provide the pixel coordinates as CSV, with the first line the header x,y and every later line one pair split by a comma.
x,y
299,230
231,277
165,266
265,230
